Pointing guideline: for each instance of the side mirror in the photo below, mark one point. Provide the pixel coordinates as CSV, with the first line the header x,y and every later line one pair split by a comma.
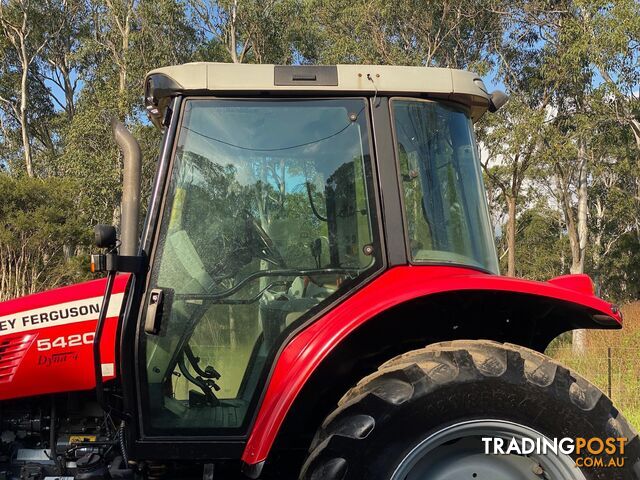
x,y
496,100
105,236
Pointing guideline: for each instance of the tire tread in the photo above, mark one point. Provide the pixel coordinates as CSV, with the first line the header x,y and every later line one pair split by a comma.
x,y
416,373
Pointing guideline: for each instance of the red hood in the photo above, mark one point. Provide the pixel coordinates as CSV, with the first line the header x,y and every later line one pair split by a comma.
x,y
46,339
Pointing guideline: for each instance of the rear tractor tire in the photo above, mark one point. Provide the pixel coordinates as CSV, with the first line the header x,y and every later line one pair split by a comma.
x,y
423,415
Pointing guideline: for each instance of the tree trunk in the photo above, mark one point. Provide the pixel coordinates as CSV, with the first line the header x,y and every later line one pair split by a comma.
x,y
122,87
511,236
69,90
120,54
233,42
24,123
572,231
583,230
635,128
596,255
579,345
579,342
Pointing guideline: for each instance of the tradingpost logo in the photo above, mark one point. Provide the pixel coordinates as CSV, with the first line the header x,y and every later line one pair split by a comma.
x,y
588,452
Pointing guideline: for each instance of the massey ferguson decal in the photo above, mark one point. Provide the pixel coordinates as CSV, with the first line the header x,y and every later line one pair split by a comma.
x,y
62,314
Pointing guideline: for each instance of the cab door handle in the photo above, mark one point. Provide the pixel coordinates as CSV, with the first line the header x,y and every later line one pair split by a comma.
x,y
154,312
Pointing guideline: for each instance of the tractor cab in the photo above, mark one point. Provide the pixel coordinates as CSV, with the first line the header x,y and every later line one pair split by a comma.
x,y
272,212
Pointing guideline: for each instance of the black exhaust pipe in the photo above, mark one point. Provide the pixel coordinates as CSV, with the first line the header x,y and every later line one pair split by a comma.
x,y
131,174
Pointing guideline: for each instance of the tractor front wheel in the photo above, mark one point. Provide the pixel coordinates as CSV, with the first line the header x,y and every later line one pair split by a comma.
x,y
433,414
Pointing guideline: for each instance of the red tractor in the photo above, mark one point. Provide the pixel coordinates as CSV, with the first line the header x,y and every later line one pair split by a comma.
x,y
314,294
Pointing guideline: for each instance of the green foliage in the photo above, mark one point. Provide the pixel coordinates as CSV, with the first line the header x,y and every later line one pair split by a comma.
x,y
543,248
38,234
405,32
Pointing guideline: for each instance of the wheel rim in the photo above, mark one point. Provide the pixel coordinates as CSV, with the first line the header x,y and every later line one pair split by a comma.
x,y
456,452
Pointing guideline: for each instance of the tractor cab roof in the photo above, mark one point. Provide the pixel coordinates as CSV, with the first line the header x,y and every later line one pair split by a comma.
x,y
203,78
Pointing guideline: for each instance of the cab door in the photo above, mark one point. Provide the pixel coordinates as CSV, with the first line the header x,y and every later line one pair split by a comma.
x,y
267,217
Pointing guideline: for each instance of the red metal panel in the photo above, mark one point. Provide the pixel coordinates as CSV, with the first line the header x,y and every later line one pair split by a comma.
x,y
46,339
578,283
306,351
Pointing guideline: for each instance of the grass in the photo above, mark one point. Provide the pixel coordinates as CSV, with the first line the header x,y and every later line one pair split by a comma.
x,y
624,348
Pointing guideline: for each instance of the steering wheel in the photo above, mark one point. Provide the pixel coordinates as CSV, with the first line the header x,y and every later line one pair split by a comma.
x,y
264,244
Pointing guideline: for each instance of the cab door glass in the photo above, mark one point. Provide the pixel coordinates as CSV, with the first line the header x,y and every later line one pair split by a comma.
x,y
269,215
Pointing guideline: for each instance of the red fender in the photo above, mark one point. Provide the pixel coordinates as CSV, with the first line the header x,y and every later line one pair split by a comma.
x,y
302,355
46,339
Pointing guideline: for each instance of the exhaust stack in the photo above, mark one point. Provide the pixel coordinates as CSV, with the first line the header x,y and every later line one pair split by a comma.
x,y
130,206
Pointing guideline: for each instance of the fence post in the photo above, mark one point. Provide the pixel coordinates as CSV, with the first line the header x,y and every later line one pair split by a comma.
x,y
609,371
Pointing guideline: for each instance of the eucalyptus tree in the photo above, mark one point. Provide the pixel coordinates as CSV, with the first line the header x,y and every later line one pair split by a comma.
x,y
62,60
36,223
126,39
25,33
431,33
511,142
248,31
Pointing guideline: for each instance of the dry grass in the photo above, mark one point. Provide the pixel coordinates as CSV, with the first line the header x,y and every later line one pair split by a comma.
x,y
624,348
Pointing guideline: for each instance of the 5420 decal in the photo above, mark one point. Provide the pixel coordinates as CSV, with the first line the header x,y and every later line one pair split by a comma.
x,y
75,340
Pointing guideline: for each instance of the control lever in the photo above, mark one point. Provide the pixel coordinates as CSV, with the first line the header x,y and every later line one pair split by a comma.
x,y
208,372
